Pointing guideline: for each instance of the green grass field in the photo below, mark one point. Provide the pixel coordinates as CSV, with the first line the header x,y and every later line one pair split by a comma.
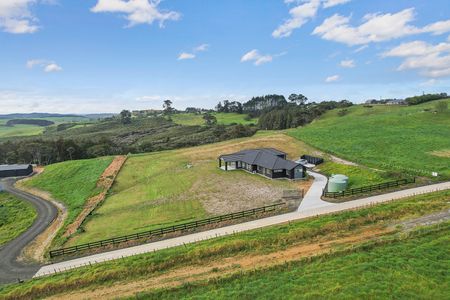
x,y
411,268
15,217
158,189
419,263
222,118
71,182
358,176
412,139
21,130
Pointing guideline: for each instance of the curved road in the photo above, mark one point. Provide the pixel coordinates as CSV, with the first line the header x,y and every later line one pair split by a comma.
x,y
10,269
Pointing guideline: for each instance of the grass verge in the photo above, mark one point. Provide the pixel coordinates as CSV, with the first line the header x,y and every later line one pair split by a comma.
x,y
15,217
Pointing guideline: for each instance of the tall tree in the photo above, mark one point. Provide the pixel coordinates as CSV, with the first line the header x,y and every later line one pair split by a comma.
x,y
168,109
298,99
125,116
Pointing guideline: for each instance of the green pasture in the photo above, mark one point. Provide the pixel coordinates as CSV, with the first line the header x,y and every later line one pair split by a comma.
x,y
222,118
413,139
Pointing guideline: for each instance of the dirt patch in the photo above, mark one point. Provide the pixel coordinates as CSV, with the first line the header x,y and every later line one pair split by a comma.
x,y
226,266
441,153
105,182
224,194
427,220
35,250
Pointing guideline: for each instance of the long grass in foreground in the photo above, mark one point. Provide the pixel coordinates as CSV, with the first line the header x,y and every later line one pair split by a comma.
x,y
412,267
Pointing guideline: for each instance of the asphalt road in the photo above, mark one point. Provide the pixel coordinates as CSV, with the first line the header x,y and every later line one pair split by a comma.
x,y
10,269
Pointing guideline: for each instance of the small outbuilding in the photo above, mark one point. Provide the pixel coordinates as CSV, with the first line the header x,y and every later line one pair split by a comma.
x,y
15,170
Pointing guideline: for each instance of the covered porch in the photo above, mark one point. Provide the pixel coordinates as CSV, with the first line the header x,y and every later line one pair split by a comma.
x,y
227,164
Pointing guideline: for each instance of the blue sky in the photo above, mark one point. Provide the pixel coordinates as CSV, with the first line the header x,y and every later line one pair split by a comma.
x,y
107,55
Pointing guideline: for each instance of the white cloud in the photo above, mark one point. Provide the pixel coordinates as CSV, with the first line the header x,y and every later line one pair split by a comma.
x,y
438,28
185,55
332,78
201,48
137,11
429,82
52,68
256,57
376,28
348,63
45,65
431,60
331,3
16,17
300,14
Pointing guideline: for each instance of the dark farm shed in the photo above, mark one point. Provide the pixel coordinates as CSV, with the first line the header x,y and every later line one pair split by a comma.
x,y
15,170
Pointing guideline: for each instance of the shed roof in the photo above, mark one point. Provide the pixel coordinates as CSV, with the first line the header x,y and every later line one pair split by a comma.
x,y
264,157
13,167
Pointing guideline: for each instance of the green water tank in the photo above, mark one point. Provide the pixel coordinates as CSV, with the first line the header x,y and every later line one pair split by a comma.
x,y
337,183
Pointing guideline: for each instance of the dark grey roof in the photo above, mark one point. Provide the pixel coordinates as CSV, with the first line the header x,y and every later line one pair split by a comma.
x,y
264,157
13,167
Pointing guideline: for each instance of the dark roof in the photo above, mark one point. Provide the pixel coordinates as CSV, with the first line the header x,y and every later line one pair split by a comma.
x,y
264,157
13,167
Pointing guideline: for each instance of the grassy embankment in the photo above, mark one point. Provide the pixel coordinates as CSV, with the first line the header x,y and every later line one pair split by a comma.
x,y
411,139
222,118
15,217
71,182
410,268
397,264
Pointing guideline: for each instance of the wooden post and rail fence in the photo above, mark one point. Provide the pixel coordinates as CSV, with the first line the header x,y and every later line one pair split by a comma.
x,y
165,230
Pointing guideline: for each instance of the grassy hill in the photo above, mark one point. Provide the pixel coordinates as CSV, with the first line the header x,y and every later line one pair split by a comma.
x,y
15,217
222,118
71,182
414,139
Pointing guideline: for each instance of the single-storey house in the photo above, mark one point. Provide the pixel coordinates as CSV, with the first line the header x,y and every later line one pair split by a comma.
x,y
15,170
269,162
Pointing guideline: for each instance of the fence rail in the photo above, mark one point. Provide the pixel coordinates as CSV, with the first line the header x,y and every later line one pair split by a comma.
x,y
164,230
369,188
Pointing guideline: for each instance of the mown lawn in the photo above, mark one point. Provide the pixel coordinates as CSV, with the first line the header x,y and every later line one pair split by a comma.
x,y
358,176
420,265
71,182
413,139
15,217
222,118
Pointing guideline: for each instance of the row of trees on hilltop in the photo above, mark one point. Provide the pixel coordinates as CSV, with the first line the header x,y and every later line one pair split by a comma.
x,y
294,115
425,98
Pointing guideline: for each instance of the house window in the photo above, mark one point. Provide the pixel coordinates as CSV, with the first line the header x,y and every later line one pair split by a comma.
x,y
278,171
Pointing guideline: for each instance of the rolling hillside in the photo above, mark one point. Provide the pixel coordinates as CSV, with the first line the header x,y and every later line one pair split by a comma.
x,y
413,139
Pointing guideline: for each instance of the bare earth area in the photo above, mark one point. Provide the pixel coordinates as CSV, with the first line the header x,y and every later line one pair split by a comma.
x,y
105,182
